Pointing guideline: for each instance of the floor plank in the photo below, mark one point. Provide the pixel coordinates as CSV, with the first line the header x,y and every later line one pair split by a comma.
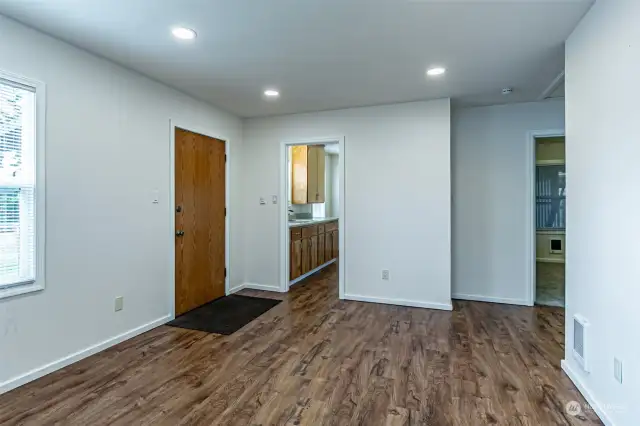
x,y
317,360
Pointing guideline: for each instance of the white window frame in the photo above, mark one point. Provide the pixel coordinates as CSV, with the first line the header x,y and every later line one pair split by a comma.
x,y
38,284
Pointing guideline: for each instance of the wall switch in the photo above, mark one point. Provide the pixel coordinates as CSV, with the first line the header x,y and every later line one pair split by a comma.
x,y
119,303
262,201
617,369
274,199
155,196
385,274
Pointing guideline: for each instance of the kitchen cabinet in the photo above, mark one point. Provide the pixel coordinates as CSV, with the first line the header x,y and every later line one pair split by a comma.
x,y
307,174
312,246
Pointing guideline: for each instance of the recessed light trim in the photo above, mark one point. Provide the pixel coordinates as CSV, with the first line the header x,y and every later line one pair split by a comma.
x,y
432,72
271,93
183,33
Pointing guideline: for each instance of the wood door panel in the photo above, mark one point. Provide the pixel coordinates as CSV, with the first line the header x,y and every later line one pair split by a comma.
x,y
336,246
299,174
312,174
200,197
314,252
321,248
320,187
295,259
328,246
305,258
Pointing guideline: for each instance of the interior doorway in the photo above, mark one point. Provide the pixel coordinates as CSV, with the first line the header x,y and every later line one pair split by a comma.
x,y
550,220
200,219
312,210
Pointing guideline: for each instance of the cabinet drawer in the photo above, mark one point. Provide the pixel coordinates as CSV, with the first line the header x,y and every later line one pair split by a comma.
x,y
308,231
331,226
296,234
321,229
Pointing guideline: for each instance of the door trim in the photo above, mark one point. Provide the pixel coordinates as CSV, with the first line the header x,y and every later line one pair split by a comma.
x,y
284,217
530,213
173,124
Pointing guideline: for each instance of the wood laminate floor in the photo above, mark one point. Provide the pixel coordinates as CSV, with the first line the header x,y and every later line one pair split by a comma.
x,y
316,360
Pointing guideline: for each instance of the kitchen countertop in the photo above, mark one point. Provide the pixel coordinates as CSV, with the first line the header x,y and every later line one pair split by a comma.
x,y
313,221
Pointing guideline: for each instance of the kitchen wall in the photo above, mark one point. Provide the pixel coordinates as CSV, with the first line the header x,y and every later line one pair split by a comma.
x,y
489,172
107,149
393,177
602,89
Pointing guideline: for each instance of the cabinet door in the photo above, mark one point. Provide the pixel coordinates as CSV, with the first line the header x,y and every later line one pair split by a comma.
x,y
314,252
305,258
320,194
299,174
335,241
321,249
312,174
328,246
295,259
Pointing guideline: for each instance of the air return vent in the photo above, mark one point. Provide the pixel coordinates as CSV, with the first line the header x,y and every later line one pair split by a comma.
x,y
580,330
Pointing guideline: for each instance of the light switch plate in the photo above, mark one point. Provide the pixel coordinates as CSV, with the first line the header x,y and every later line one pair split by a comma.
x,y
617,369
274,199
385,274
119,303
155,196
262,201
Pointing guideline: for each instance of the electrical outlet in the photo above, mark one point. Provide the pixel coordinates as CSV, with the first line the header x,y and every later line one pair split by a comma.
x,y
119,303
385,274
617,369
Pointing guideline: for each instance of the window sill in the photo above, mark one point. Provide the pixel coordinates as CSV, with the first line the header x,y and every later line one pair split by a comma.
x,y
20,289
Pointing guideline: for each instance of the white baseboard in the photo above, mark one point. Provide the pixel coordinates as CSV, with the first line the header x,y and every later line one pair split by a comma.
x,y
236,289
595,405
254,286
77,356
400,302
302,277
479,298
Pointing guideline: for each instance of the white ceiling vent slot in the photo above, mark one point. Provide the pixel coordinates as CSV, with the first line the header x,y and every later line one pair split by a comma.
x,y
580,331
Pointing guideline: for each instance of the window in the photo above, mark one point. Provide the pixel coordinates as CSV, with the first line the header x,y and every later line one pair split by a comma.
x,y
21,194
550,197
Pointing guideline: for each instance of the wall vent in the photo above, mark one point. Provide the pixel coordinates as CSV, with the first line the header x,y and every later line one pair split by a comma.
x,y
580,330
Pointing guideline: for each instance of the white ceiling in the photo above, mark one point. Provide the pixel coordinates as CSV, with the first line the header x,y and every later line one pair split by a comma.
x,y
323,54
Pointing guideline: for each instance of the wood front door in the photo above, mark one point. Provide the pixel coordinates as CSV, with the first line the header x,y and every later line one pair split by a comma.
x,y
200,220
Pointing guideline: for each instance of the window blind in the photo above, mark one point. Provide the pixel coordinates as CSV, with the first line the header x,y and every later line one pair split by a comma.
x,y
17,184
550,197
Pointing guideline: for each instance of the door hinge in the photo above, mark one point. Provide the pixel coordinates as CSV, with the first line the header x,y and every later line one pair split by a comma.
x,y
225,272
225,211
225,158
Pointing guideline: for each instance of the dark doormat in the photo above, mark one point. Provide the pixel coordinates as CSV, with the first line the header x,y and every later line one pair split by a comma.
x,y
225,315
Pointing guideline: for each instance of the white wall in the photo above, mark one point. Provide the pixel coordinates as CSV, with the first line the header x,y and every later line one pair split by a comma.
x,y
397,197
603,230
107,145
489,173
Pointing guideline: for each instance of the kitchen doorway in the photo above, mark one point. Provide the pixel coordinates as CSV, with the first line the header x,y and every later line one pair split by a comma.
x,y
199,199
312,235
550,220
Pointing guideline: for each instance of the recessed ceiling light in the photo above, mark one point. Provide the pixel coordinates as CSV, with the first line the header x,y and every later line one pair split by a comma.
x,y
271,93
436,71
184,33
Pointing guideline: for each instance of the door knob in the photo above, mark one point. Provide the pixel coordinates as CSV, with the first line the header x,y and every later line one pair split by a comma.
x,y
179,233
